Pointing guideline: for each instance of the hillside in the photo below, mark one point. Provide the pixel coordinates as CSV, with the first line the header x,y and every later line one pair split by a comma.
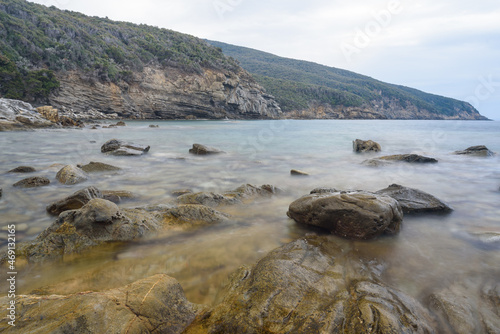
x,y
309,90
83,63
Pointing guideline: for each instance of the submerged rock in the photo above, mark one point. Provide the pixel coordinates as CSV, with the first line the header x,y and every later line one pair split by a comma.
x,y
152,305
119,147
199,149
121,123
362,146
352,215
323,190
71,175
32,182
297,172
22,169
117,196
75,201
479,150
308,286
180,192
410,158
95,167
469,305
414,200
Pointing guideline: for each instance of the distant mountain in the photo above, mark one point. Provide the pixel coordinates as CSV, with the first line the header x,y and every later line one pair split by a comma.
x,y
73,61
309,90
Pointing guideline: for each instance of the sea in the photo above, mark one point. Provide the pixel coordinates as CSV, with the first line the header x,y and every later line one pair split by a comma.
x,y
431,250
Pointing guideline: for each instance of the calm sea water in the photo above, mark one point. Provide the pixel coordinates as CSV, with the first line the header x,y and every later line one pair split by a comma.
x,y
429,251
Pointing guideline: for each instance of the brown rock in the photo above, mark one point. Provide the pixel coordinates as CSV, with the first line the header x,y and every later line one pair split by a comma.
x,y
479,150
71,175
119,147
75,201
199,149
22,169
32,182
94,167
414,200
296,172
362,146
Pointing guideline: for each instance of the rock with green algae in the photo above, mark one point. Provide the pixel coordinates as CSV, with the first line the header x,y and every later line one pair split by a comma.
x,y
312,285
152,305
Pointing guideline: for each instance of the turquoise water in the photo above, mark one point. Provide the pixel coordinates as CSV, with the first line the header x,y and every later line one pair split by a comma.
x,y
429,248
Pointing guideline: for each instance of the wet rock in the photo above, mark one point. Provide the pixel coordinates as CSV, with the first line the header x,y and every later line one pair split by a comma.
x,y
117,196
154,126
95,167
352,215
22,169
153,305
121,123
298,173
479,150
119,147
414,200
323,190
410,158
70,175
15,114
75,201
469,305
313,286
180,192
362,146
199,149
239,195
1,192
193,214
32,182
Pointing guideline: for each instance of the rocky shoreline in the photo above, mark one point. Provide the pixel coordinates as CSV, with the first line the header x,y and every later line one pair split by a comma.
x,y
312,284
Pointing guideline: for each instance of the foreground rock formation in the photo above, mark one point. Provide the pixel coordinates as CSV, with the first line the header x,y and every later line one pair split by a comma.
x,y
15,115
352,215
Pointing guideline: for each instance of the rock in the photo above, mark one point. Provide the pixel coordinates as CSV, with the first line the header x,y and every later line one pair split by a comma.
x,y
193,214
70,175
75,201
32,182
15,114
49,113
119,147
180,192
117,196
239,195
414,200
121,123
152,305
298,173
93,128
411,158
469,305
362,146
312,285
480,150
352,215
323,190
22,169
1,192
94,167
154,126
67,121
199,149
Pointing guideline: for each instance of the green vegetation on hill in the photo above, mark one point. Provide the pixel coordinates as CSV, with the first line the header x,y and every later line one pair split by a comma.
x,y
34,37
295,84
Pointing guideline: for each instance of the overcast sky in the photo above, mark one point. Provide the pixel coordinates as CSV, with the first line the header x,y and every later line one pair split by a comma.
x,y
445,47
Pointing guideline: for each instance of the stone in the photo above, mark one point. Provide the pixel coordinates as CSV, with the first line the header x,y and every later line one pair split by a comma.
x,y
154,126
75,201
117,196
49,113
414,200
199,149
71,175
119,147
312,285
95,167
22,169
479,150
362,146
410,158
15,115
353,215
296,172
32,182
121,123
156,304
323,190
1,192
193,214
180,192
469,304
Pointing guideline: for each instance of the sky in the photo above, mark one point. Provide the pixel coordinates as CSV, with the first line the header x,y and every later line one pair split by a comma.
x,y
444,47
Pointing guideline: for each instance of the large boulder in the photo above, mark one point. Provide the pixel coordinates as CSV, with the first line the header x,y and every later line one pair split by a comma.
x,y
479,150
75,201
362,146
469,305
199,149
71,175
152,305
352,215
120,147
96,167
15,114
414,200
32,182
313,286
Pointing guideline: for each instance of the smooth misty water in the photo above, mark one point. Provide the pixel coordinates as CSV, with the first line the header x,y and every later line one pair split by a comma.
x,y
429,251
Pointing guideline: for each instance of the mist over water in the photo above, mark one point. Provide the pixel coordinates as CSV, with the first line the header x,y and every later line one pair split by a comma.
x,y
429,251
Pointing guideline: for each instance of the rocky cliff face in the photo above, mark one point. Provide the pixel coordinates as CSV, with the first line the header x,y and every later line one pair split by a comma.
x,y
379,109
158,93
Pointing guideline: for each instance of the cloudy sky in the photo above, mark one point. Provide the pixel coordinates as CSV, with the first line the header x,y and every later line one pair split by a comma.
x,y
445,47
